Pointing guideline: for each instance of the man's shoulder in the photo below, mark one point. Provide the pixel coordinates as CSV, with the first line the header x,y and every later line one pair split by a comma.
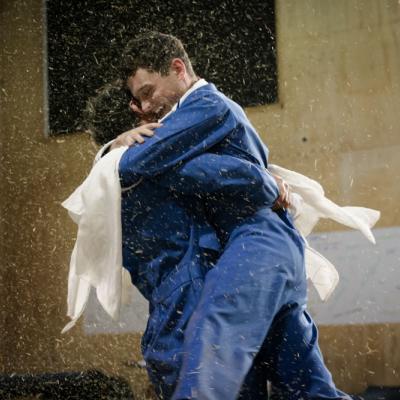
x,y
207,94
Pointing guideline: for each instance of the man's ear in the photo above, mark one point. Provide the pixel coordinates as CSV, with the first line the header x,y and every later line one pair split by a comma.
x,y
178,67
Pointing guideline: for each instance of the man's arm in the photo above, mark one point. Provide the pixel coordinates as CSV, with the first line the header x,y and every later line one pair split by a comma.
x,y
224,178
201,122
128,138
135,135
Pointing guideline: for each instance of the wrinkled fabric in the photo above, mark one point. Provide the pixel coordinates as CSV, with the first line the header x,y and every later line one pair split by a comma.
x,y
290,358
314,205
96,260
310,205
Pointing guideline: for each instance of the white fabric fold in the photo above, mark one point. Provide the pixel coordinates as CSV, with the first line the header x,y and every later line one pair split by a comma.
x,y
309,205
96,260
315,206
321,272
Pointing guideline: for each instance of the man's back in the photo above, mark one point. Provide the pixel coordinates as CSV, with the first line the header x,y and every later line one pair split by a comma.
x,y
156,234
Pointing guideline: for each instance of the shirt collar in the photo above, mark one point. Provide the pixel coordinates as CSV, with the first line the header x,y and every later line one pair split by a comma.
x,y
197,85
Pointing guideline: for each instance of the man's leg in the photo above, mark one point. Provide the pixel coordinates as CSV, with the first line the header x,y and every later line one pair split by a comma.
x,y
162,345
296,366
255,384
254,277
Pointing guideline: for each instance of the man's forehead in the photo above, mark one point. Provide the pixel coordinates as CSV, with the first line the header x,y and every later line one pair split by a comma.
x,y
140,79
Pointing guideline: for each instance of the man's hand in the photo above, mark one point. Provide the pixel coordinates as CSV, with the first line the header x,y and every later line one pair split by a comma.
x,y
136,135
283,200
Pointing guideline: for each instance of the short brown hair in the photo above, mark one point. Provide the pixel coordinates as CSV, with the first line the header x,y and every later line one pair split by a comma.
x,y
154,52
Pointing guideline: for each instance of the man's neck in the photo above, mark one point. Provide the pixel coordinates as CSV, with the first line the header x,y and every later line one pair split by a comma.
x,y
189,82
194,79
195,83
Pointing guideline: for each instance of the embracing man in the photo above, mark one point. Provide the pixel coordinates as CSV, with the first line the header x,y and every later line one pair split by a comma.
x,y
247,322
205,237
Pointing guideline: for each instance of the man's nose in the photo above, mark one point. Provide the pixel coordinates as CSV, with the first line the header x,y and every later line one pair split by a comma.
x,y
146,106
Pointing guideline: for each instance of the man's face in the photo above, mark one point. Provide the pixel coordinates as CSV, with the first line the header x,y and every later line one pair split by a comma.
x,y
155,94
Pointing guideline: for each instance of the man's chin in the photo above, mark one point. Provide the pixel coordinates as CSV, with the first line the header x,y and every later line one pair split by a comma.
x,y
163,111
155,116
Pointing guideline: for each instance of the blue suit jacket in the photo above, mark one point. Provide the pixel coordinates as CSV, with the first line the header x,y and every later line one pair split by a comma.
x,y
159,214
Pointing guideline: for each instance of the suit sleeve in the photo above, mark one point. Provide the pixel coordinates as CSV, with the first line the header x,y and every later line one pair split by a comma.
x,y
225,179
191,130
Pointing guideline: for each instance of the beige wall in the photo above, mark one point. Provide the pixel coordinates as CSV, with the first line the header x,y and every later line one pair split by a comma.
x,y
339,78
36,234
339,73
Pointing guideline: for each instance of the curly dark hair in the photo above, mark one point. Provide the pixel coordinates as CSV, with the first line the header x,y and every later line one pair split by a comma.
x,y
107,114
154,52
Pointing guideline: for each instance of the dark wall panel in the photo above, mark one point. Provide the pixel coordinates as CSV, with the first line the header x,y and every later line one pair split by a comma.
x,y
231,43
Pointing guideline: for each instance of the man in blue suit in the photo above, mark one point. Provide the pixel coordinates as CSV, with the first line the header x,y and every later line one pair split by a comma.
x,y
169,244
247,322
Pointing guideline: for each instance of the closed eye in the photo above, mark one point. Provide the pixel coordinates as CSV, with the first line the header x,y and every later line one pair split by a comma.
x,y
145,92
